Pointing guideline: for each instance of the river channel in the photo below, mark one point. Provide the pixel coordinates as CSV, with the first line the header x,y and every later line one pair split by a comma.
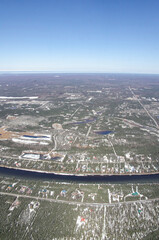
x,y
154,178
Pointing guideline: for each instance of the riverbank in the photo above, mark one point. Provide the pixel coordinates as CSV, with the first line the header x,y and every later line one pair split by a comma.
x,y
79,174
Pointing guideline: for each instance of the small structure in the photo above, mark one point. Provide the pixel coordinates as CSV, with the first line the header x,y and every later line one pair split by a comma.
x,y
33,205
92,195
57,126
77,194
22,189
9,187
63,193
15,204
135,194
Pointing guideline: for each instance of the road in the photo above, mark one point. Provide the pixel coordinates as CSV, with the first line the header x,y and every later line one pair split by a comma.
x,y
117,157
74,202
55,146
144,108
75,112
88,131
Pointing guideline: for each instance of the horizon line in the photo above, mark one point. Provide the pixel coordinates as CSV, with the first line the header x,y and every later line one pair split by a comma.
x,y
73,72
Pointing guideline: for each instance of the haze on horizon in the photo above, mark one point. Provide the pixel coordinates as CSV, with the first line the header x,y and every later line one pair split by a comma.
x,y
80,36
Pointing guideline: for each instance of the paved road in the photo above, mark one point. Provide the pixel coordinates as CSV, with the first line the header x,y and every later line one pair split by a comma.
x,y
75,112
74,202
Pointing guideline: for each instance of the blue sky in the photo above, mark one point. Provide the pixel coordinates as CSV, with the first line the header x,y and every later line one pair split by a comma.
x,y
79,35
